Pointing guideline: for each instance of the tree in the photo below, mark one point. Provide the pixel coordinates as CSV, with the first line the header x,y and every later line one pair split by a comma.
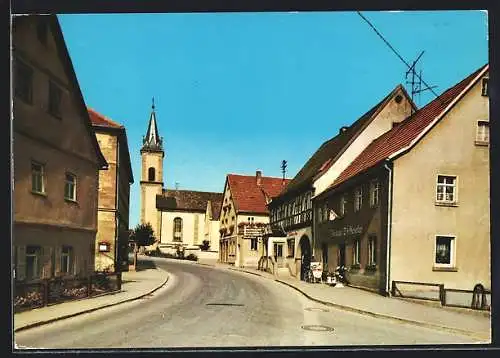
x,y
143,235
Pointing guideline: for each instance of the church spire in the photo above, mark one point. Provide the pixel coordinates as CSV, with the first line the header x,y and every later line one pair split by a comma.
x,y
152,140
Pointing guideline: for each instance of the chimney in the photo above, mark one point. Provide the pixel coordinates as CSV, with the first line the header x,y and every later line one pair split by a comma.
x,y
258,177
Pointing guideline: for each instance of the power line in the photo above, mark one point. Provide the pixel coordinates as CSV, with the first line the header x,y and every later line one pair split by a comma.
x,y
394,50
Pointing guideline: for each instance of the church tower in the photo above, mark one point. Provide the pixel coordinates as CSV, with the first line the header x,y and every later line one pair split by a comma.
x,y
151,174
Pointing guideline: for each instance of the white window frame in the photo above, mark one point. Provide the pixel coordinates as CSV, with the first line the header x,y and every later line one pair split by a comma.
x,y
358,198
67,184
275,249
453,250
356,251
372,250
40,174
443,201
483,138
374,193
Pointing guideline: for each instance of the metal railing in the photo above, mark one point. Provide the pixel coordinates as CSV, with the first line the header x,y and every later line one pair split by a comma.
x,y
44,292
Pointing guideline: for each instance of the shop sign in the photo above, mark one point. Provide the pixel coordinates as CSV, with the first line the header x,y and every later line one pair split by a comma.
x,y
347,230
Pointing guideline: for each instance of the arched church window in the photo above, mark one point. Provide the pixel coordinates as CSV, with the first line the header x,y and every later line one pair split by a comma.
x,y
177,229
151,174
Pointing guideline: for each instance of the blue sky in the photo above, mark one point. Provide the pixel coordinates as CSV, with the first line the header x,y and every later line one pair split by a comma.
x,y
236,92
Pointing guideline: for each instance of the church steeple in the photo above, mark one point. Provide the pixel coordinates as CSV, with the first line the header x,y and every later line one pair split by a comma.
x,y
152,140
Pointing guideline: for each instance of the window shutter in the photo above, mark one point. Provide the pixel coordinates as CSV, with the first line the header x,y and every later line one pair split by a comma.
x,y
72,261
58,260
21,263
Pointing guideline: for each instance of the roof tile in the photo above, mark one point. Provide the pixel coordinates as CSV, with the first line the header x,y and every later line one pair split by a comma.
x,y
402,135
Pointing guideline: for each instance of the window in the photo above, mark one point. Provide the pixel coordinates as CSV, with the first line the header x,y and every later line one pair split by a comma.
x,y
446,189
484,90
343,202
278,250
70,187
374,193
372,250
178,229
55,96
253,244
325,212
291,247
67,259
355,253
37,178
24,82
33,255
444,251
151,174
42,31
483,132
320,214
358,198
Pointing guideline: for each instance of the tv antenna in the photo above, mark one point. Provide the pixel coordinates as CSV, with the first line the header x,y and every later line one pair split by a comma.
x,y
283,168
415,80
176,185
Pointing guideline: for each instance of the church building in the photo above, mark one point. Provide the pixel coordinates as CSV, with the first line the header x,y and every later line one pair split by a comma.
x,y
176,216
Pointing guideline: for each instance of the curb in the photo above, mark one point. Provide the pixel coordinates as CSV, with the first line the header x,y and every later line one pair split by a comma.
x,y
252,273
380,315
41,323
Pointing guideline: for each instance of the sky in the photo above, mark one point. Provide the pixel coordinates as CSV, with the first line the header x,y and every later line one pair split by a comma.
x,y
240,92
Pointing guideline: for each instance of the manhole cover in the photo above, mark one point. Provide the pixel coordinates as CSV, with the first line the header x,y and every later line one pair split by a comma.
x,y
225,304
317,327
316,309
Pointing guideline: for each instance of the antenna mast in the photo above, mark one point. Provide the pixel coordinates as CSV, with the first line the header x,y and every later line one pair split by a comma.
x,y
283,168
415,80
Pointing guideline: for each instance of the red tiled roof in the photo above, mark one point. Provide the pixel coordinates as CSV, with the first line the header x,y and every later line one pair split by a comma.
x,y
98,119
402,136
249,197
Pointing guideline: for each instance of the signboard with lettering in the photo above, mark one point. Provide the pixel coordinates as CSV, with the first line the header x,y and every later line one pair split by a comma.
x,y
347,230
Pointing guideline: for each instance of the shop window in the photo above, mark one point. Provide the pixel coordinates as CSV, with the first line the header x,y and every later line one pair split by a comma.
x,y
372,250
355,253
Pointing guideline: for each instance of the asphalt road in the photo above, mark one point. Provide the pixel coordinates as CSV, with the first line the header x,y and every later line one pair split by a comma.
x,y
206,307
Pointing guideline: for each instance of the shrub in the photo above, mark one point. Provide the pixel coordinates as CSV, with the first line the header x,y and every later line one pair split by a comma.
x,y
192,257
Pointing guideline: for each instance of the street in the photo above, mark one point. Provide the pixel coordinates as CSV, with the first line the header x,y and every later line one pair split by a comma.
x,y
209,307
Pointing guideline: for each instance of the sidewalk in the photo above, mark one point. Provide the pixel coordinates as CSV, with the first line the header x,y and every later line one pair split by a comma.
x,y
135,284
471,323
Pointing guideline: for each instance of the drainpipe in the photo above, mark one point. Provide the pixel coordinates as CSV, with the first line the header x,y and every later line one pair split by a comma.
x,y
389,225
117,209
